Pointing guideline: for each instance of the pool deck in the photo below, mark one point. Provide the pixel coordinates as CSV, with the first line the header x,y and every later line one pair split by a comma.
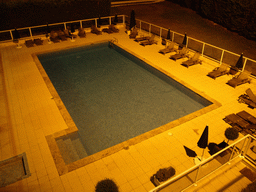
x,y
31,115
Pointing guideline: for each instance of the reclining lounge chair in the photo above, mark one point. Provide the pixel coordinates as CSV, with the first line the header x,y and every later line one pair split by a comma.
x,y
170,48
223,69
249,98
95,30
234,119
242,78
29,43
38,41
193,60
134,33
247,116
181,54
113,28
81,32
151,41
143,38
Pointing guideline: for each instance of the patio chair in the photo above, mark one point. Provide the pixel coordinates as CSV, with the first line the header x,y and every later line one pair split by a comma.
x,y
249,98
223,69
234,119
193,60
38,41
81,32
170,48
62,35
242,78
247,116
134,33
95,30
113,28
181,54
29,43
150,41
107,30
142,38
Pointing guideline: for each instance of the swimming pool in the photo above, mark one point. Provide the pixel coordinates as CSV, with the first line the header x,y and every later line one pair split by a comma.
x,y
113,96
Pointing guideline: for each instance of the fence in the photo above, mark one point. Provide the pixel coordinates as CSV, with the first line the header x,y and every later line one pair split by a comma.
x,y
239,149
207,50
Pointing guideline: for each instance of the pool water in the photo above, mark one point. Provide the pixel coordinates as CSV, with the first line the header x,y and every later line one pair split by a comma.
x,y
112,96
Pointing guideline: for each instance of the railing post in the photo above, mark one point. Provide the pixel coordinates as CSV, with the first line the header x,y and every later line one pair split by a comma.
x,y
172,36
65,27
95,20
221,56
123,19
161,33
30,32
149,30
244,64
81,24
203,49
109,20
11,34
187,42
140,25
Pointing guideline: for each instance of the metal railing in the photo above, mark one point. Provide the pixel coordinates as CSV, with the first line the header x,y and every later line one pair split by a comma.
x,y
30,32
239,149
207,50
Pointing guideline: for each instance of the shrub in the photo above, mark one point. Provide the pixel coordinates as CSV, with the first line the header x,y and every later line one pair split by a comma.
x,y
106,185
231,133
164,174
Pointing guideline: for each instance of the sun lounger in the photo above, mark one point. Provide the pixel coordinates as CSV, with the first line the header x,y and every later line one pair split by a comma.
x,y
150,41
242,78
249,98
193,60
38,41
62,35
181,54
54,37
143,38
234,119
113,28
95,30
223,69
29,43
134,33
247,116
170,48
81,32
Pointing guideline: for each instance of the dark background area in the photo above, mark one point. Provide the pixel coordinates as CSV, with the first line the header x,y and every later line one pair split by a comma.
x,y
21,13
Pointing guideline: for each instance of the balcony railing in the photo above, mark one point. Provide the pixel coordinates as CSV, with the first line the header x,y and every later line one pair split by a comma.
x,y
207,50
239,149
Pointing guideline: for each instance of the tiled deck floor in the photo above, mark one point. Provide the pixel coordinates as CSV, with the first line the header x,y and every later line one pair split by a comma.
x,y
31,115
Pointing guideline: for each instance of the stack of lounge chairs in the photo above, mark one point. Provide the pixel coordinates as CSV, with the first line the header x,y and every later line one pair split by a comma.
x,y
170,48
193,60
243,121
181,54
150,41
242,78
142,38
223,69
95,30
249,98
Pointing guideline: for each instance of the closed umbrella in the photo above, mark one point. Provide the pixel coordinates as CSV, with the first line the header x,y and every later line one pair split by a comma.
x,y
240,62
203,141
168,35
132,20
185,40
190,152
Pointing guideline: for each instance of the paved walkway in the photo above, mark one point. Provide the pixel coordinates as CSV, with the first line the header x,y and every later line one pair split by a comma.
x,y
31,114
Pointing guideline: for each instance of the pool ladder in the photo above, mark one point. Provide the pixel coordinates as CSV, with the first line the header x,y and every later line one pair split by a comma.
x,y
113,41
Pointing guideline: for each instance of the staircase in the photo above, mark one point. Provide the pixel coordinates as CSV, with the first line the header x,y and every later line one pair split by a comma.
x,y
71,148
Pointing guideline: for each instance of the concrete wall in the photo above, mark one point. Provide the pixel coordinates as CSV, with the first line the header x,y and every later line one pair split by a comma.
x,y
19,13
235,15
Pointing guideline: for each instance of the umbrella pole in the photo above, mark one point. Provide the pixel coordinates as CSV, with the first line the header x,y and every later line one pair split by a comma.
x,y
202,156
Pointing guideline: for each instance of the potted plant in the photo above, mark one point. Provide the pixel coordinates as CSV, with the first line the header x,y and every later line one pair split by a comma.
x,y
162,175
231,134
106,185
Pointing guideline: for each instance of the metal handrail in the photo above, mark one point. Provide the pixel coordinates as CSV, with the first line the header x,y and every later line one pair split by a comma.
x,y
161,186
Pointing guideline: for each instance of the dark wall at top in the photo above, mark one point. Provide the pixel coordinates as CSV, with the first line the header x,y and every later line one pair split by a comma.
x,y
21,13
235,15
